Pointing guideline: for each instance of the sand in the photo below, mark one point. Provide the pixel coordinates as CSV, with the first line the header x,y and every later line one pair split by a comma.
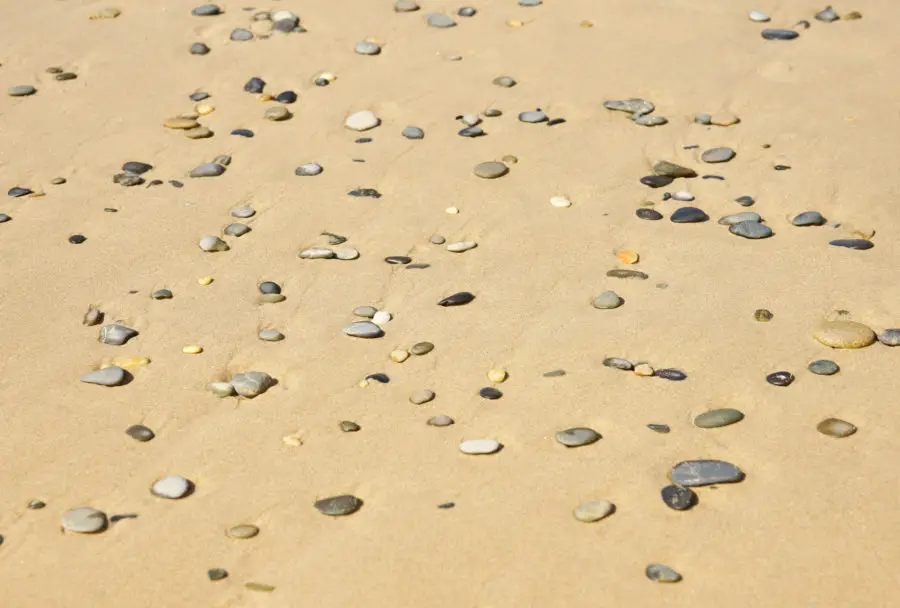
x,y
813,524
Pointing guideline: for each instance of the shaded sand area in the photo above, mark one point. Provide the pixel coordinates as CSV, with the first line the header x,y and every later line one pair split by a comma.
x,y
813,523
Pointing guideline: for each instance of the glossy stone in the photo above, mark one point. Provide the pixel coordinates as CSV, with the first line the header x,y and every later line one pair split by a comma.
x,y
678,498
835,427
458,299
780,378
577,437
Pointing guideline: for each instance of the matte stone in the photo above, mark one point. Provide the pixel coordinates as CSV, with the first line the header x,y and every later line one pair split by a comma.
x,y
336,506
440,420
440,20
172,487
533,116
136,167
139,432
22,90
809,218
84,520
206,10
844,334
363,329
108,376
348,426
718,418
890,337
413,133
421,348
661,573
632,106
737,218
618,363
824,367
594,510
717,155
670,374
622,273
255,85
860,244
236,230
251,384
779,34
670,169
744,201
198,48
694,473
689,215
577,437
480,446
648,214
835,427
242,531
116,334
421,397
208,170
217,574
678,498
659,428
656,181
240,34
608,300
271,335
751,230
457,299
490,170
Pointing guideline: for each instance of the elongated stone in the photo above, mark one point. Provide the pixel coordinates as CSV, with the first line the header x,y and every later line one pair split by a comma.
x,y
242,531
737,218
577,437
461,246
693,473
656,181
421,397
650,121
618,363
718,418
660,573
844,334
316,253
421,348
622,273
139,432
594,510
835,427
717,155
337,506
457,299
689,215
363,329
779,34
207,170
480,446
22,90
859,244
631,106
491,170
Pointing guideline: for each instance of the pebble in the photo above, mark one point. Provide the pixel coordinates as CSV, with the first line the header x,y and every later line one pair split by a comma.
x,y
827,15
213,244
560,202
178,122
22,90
660,573
84,520
440,420
461,246
136,167
336,506
626,256
644,369
618,363
367,47
405,6
277,113
271,335
308,170
890,337
693,473
577,437
656,181
763,316
466,11
242,531
217,574
221,389
240,34
413,133
608,300
172,486
251,384
381,318
717,155
648,214
77,239
398,355
504,81
780,378
650,121
809,218
192,349
480,446
16,192
440,20
678,498
348,426
236,230
116,334
92,317
421,348
835,427
208,170
491,170
751,230
421,397
533,116
471,132
198,48
363,329
458,299
659,428
490,393
714,419
684,197
737,218
139,432
859,244
779,34
58,181
594,510
666,168
620,273
362,121
688,215
207,10
632,106
365,193
286,97
398,259
824,367
759,17
844,334
243,212
243,132
530,2
4,218
365,311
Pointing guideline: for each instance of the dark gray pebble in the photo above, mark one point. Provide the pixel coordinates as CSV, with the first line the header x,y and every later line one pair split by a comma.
x,y
217,574
199,96
240,34
365,193
175,183
207,10
139,432
379,377
678,498
4,218
555,373
889,337
809,218
824,367
659,428
489,392
286,97
349,426
660,573
457,299
77,239
16,192
255,85
446,505
162,294
398,259
751,230
688,215
656,181
471,132
670,374
648,214
744,201
243,132
363,140
555,121
339,505
136,167
269,287
717,177
776,34
859,244
782,167
780,378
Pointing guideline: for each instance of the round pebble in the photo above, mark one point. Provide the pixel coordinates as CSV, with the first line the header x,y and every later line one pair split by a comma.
x,y
213,244
84,520
577,437
717,155
243,212
809,218
198,48
608,300
490,393
172,486
236,230
751,230
413,133
844,334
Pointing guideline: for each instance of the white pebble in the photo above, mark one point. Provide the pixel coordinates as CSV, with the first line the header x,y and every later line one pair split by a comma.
x,y
462,246
346,253
470,119
759,16
213,243
362,121
683,196
479,446
452,210
382,317
316,253
84,520
560,201
173,486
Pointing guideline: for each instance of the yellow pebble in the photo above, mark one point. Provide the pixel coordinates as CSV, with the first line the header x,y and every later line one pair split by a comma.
x,y
399,355
330,77
643,369
205,280
295,439
129,362
265,97
452,210
514,23
204,108
363,383
626,256
106,13
193,349
497,375
180,123
586,24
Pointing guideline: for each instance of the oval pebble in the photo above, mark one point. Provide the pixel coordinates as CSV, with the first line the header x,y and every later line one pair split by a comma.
x,y
737,218
139,432
242,531
480,446
780,378
337,506
457,299
779,34
363,329
693,473
660,573
744,201
213,244
671,374
271,335
533,116
890,337
594,510
367,47
618,363
236,230
577,437
835,427
421,397
648,214
844,334
809,218
824,367
751,230
172,487
22,90
440,20
678,498
240,34
308,170
759,16
491,170
607,300
421,348
858,244
84,520
413,133
490,393
718,418
689,215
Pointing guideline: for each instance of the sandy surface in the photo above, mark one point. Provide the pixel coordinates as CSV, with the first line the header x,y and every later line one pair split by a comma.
x,y
815,522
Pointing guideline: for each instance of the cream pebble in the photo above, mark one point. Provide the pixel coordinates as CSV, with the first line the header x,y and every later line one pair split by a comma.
x,y
560,202
382,317
399,355
192,349
497,375
452,210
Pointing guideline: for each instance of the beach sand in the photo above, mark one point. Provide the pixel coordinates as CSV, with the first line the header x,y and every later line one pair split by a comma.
x,y
813,524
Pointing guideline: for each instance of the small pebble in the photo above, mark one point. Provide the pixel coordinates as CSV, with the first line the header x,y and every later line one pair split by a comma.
x,y
577,437
809,218
676,375
212,244
440,420
337,506
834,427
243,132
271,335
206,10
608,300
737,218
618,363
308,170
367,47
36,505
660,573
827,15
286,97
240,34
251,384
779,34
77,239
890,337
594,510
744,201
560,202
491,170
490,393
685,197
421,397
398,355
277,113
763,315
421,348
497,375
621,273
199,48
217,574
457,299
139,432
413,133
116,334
844,334
659,428
363,329
243,212
759,17
780,378
678,498
440,20
466,11
649,214
533,116
688,215
172,486
751,230
348,426
824,367
17,192
242,531
480,446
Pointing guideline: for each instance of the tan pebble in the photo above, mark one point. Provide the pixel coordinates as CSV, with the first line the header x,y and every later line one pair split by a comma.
x,y
204,108
295,439
265,97
205,280
277,113
399,355
509,159
106,13
724,119
497,375
851,16
190,115
844,334
128,362
192,349
198,133
626,256
363,383
180,123
514,23
835,427
585,24
452,210
242,531
643,369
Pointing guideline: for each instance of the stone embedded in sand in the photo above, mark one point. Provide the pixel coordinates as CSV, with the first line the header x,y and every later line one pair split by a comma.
x,y
199,48
271,335
84,520
316,253
242,531
208,170
632,106
594,510
243,212
398,355
618,363
781,378
504,81
661,573
405,6
844,334
116,334
650,121
497,375
440,20
890,337
421,397
240,34
440,420
339,505
236,230
608,300
693,473
348,426
577,437
367,47
779,34
678,498
827,15
717,155
461,246
659,428
624,273
718,418
480,446
177,122
251,384
648,214
213,244
491,170
724,119
362,121
763,315
108,376
491,393
656,181
363,329
737,218
172,487
277,113
200,132
751,230
458,299
533,116
835,427
139,432
682,196
308,170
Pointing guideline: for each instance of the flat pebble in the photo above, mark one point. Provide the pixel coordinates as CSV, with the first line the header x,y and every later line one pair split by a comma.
x,y
337,506
737,218
684,197
650,121
718,418
421,397
208,170
243,212
461,246
693,473
382,318
243,132
717,155
665,168
480,446
440,20
533,116
136,167
413,133
365,311
656,181
618,363
308,170
780,378
22,90
206,10
577,437
660,573
835,427
236,230
116,334
491,170
171,486
440,420
316,253
844,334
84,520
198,48
827,15
659,428
744,201
421,348
678,498
240,34
688,215
139,432
458,299
367,47
504,81
271,335
631,106
594,510
221,389
824,367
648,214
405,6
490,393
363,329
362,121
622,273
809,218
348,426
607,300
751,230
759,16
779,34
242,531
859,244
277,113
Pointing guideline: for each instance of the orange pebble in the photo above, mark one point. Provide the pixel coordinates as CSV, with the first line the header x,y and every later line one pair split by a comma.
x,y
626,256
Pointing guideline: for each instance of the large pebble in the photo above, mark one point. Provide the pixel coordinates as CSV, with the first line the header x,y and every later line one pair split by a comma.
x,y
491,170
362,121
457,299
337,506
809,218
689,215
440,20
172,486
670,169
108,376
594,510
844,334
22,90
206,10
632,106
608,300
717,155
779,34
116,334
480,446
367,47
824,367
577,437
693,473
737,218
84,520
421,397
751,230
208,170
759,16
363,329
533,116
251,384
718,418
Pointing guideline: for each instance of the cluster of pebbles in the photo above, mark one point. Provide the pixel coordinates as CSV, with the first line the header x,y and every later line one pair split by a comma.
x,y
370,323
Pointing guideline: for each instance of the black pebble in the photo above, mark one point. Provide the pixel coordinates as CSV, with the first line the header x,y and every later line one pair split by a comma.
x,y
656,181
110,210
398,259
365,193
671,374
678,498
744,201
781,167
446,505
694,147
77,239
718,177
457,299
379,377
363,140
780,378
176,183
648,214
489,392
243,132
199,96
36,505
136,167
16,192
269,287
286,97
689,215
667,196
659,428
255,85
555,121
